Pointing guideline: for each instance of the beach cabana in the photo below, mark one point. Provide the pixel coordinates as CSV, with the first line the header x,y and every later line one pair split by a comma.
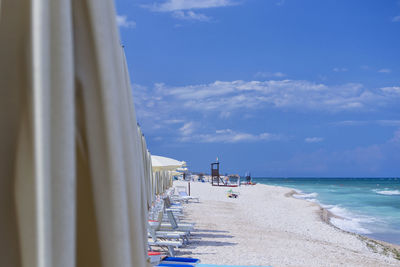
x,y
163,169
160,163
71,166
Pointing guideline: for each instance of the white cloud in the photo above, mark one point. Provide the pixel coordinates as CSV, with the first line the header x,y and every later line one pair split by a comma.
x,y
385,71
389,122
230,136
225,114
394,90
313,139
396,19
122,21
368,122
284,94
190,15
175,5
174,121
163,103
183,9
340,69
396,137
187,128
170,108
269,74
280,2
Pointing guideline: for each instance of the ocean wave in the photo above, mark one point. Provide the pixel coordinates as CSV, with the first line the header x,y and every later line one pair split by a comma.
x,y
348,221
344,219
388,192
309,197
350,225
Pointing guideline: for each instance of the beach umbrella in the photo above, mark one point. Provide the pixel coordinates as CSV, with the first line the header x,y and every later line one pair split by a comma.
x,y
175,173
71,167
162,169
164,163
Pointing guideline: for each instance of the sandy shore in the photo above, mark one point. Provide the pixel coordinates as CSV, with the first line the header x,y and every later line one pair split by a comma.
x,y
266,226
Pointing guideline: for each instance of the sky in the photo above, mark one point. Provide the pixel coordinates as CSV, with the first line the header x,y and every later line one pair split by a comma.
x,y
280,88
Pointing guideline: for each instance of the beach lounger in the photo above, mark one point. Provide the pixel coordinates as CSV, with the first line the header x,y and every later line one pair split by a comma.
x,y
183,195
155,257
156,233
173,265
172,224
167,235
173,235
162,242
184,228
170,245
170,205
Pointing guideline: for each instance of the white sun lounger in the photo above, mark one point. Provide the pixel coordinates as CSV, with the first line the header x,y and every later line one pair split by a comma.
x,y
155,231
172,224
182,195
164,241
170,245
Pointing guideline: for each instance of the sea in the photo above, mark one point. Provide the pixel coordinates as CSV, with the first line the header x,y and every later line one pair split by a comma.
x,y
367,206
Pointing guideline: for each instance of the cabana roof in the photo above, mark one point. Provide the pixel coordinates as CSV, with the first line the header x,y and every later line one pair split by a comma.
x,y
160,163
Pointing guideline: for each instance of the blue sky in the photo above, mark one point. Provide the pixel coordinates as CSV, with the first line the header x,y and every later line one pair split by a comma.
x,y
275,87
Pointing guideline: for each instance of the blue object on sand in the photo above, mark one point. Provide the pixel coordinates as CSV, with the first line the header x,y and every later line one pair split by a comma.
x,y
177,260
214,265
174,265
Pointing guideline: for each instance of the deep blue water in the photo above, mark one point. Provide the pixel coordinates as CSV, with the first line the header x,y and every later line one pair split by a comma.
x,y
369,206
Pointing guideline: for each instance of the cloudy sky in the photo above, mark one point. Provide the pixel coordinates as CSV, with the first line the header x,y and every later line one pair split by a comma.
x,y
276,87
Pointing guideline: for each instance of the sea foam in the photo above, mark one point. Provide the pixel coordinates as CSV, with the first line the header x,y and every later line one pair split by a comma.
x,y
312,197
350,225
345,220
388,192
348,221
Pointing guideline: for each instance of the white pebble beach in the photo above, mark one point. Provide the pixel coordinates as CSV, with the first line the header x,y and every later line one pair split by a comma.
x,y
266,226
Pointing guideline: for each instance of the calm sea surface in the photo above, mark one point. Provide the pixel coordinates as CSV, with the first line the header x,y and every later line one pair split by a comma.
x,y
369,206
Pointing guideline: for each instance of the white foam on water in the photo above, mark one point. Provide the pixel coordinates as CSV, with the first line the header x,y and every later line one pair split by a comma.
x,y
351,225
349,221
309,197
388,192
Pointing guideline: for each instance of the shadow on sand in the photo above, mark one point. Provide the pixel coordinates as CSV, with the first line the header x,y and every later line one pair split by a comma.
x,y
206,238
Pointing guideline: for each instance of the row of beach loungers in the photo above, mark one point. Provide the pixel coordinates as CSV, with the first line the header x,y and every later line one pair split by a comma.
x,y
167,232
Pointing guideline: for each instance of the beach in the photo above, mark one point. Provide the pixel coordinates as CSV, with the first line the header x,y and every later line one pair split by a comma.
x,y
266,226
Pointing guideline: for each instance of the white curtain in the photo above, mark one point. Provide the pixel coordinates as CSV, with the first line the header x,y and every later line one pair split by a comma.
x,y
72,189
147,168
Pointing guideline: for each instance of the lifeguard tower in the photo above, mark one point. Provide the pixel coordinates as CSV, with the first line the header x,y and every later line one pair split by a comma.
x,y
215,178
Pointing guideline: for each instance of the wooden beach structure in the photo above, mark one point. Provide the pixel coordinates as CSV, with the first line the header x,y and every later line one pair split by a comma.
x,y
216,179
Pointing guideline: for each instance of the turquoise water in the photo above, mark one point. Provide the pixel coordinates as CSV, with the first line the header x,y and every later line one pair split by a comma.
x,y
368,206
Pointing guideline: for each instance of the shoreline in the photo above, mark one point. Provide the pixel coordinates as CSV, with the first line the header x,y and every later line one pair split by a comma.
x,y
265,225
326,215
